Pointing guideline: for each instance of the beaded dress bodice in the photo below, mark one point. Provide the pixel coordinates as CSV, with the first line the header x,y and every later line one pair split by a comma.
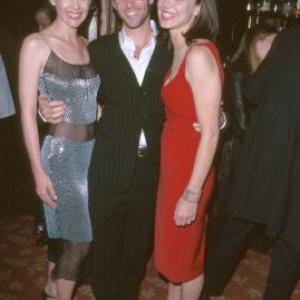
x,y
77,87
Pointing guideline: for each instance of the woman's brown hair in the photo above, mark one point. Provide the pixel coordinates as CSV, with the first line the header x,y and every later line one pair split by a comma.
x,y
253,36
206,24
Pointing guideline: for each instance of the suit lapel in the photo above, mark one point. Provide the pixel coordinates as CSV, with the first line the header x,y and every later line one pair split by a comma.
x,y
125,67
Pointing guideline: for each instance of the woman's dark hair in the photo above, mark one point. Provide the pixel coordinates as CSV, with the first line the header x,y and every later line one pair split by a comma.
x,y
206,24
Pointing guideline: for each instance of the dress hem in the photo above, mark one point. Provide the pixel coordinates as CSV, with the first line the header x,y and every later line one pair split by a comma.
x,y
182,279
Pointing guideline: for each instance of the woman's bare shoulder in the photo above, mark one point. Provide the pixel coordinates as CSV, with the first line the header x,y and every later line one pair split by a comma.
x,y
200,60
200,54
35,41
36,46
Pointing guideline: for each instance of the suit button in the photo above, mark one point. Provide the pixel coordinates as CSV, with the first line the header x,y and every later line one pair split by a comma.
x,y
144,93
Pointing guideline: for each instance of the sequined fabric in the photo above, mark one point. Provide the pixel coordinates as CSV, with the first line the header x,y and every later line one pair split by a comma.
x,y
66,151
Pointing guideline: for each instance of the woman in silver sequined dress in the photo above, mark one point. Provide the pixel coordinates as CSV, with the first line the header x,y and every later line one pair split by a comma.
x,y
56,62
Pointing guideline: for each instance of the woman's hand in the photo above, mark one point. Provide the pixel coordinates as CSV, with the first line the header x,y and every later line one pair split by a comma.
x,y
45,190
186,208
185,212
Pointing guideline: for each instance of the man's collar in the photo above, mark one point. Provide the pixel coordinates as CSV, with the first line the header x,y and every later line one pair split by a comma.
x,y
127,40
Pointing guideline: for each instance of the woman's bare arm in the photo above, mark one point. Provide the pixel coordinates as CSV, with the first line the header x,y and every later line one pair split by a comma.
x,y
32,57
203,75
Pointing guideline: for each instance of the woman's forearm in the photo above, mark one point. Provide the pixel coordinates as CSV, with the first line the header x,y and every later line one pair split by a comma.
x,y
31,138
203,160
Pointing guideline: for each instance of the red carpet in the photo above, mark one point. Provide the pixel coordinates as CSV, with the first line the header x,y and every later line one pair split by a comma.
x,y
22,269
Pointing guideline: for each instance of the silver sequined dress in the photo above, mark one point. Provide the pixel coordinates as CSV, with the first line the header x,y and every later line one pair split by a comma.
x,y
66,150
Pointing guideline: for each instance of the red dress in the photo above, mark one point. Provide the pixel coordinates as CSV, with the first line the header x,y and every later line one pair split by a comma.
x,y
179,251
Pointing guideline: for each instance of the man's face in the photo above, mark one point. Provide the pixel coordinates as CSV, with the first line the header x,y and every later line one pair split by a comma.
x,y
133,13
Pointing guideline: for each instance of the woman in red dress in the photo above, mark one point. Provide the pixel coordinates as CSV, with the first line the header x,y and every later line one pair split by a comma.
x,y
191,93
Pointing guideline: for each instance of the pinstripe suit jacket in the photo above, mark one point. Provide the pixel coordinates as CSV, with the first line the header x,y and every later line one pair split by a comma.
x,y
127,108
